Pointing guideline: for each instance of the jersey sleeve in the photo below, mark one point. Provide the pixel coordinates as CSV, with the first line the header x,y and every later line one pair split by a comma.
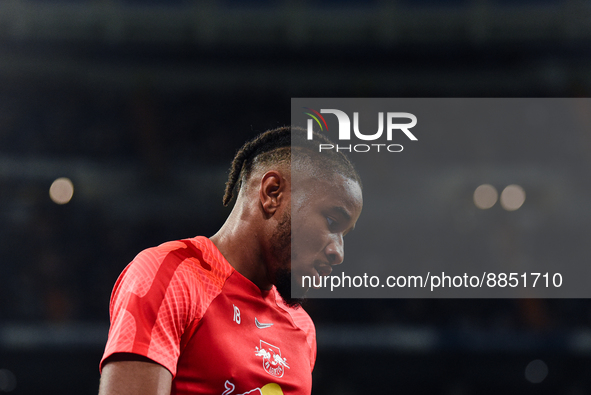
x,y
151,305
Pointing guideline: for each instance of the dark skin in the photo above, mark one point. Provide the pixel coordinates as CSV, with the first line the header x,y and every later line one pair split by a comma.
x,y
133,374
257,223
261,204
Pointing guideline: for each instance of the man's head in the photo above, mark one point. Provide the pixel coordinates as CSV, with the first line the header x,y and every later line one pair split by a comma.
x,y
304,202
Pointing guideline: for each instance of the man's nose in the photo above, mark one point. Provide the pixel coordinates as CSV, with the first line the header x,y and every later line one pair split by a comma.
x,y
336,250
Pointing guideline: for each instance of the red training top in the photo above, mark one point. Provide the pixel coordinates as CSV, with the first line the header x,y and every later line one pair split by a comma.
x,y
184,306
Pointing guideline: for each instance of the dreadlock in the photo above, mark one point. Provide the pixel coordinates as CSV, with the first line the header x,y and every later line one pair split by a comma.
x,y
274,146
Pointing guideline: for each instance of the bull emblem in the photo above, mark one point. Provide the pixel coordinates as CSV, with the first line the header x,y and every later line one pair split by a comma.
x,y
273,362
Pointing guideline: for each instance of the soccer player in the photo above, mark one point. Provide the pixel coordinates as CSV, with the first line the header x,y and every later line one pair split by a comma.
x,y
216,315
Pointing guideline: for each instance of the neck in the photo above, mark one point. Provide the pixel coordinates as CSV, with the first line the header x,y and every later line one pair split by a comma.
x,y
238,241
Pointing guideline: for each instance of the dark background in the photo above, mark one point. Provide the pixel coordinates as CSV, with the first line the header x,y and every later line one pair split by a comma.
x,y
142,104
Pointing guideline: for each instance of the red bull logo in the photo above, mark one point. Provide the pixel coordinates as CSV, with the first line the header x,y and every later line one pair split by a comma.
x,y
273,363
267,389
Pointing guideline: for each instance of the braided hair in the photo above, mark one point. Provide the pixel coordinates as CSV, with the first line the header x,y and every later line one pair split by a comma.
x,y
275,146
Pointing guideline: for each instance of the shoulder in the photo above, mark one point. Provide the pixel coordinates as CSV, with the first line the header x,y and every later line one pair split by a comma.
x,y
302,321
300,318
198,249
160,295
197,255
194,267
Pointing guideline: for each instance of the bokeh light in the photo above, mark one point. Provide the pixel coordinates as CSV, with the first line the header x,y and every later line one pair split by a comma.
x,y
536,371
7,381
485,196
512,197
61,190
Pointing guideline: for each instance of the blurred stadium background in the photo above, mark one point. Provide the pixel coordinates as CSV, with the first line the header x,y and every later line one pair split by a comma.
x,y
142,104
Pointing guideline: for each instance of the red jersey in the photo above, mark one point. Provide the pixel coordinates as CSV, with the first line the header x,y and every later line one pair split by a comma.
x,y
184,306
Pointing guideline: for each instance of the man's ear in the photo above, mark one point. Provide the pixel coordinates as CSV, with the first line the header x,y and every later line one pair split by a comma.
x,y
272,193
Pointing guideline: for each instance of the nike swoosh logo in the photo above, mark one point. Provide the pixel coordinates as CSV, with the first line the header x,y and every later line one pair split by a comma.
x,y
259,325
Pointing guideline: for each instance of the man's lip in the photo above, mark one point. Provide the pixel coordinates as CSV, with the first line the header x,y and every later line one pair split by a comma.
x,y
324,270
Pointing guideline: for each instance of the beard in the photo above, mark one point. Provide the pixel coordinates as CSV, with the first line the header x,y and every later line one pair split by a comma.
x,y
285,284
282,254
